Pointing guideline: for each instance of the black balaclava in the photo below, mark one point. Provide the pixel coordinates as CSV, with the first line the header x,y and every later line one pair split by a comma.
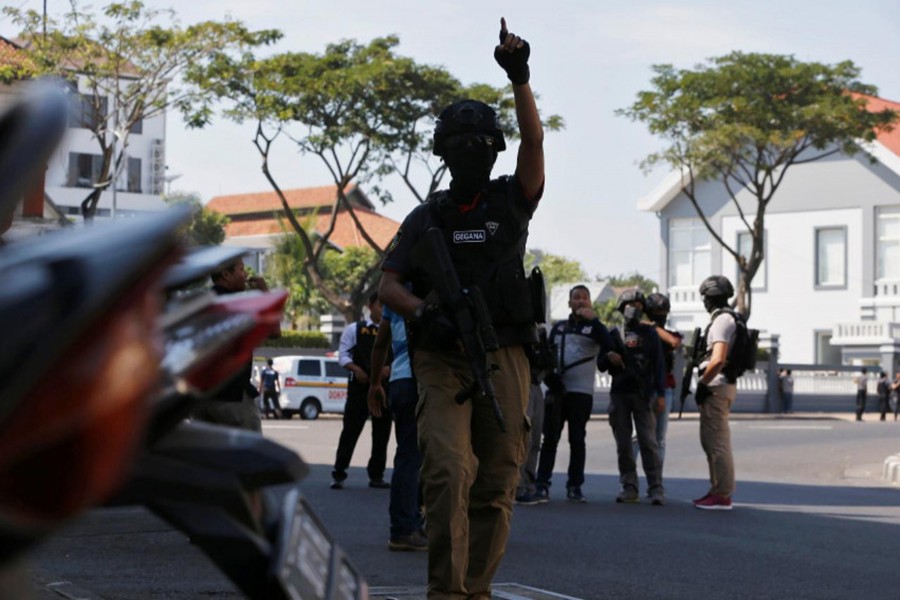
x,y
713,303
470,167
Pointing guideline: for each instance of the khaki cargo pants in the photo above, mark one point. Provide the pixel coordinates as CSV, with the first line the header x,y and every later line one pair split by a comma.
x,y
470,469
715,437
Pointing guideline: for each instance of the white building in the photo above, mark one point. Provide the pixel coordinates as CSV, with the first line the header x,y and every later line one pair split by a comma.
x,y
830,283
74,167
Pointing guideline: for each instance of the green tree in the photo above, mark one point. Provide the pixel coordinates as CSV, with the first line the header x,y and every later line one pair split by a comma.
x,y
206,227
124,65
361,109
414,158
556,269
285,270
744,119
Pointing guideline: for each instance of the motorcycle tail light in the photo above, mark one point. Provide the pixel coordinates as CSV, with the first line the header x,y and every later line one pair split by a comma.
x,y
234,327
69,443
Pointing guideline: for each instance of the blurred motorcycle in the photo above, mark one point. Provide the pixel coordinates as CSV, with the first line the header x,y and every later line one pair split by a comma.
x,y
110,335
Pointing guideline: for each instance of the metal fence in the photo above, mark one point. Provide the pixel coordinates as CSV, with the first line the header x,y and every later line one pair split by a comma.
x,y
817,388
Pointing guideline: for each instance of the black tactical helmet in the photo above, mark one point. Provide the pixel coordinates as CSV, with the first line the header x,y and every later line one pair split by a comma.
x,y
658,303
716,286
467,116
630,295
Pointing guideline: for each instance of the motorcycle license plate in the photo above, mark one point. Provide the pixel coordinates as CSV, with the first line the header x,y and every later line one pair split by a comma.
x,y
310,565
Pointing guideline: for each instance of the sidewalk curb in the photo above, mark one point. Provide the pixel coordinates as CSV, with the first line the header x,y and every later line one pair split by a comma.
x,y
891,472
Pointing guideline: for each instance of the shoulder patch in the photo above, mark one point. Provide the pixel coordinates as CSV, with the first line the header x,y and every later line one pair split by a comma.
x,y
395,240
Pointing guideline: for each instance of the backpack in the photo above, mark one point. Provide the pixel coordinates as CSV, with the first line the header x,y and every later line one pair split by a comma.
x,y
742,352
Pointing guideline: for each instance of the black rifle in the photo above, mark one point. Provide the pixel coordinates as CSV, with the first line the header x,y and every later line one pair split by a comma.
x,y
692,356
468,312
631,366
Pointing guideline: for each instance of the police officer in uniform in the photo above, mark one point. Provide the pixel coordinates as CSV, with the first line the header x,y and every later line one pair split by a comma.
x,y
355,355
470,468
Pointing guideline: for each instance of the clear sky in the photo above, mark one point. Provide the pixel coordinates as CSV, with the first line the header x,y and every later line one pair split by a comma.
x,y
588,59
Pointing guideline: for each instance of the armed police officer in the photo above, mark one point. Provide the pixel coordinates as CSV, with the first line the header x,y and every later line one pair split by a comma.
x,y
637,392
470,467
716,391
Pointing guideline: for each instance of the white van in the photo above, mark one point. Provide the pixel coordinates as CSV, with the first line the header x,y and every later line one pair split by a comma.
x,y
311,385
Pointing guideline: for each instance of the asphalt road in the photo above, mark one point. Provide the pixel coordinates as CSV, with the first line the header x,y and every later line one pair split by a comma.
x,y
812,519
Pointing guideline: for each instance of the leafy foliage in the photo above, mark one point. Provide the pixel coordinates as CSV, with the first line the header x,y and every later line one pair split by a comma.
x,y
298,339
744,119
556,269
126,62
362,109
206,227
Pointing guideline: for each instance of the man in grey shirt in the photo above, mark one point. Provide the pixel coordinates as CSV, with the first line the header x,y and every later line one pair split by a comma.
x,y
716,393
579,340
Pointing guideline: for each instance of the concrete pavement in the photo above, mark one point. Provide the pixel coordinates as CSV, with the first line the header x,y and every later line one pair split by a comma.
x,y
813,519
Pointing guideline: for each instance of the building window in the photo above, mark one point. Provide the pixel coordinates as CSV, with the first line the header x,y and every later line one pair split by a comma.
x,y
137,127
690,252
887,236
84,169
831,257
86,114
134,175
744,248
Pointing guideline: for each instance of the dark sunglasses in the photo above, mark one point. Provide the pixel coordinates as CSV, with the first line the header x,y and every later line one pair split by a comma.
x,y
465,140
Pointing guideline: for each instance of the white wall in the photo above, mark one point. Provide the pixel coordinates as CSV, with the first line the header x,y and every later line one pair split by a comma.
x,y
790,304
83,141
837,191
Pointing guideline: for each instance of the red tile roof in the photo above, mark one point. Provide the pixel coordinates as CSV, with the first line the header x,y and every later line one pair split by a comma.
x,y
381,229
889,139
267,202
11,55
74,63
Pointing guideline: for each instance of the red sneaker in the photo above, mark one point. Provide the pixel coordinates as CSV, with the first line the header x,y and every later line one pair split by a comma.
x,y
701,498
713,502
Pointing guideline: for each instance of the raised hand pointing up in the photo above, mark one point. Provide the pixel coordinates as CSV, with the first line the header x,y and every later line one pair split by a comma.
x,y
512,55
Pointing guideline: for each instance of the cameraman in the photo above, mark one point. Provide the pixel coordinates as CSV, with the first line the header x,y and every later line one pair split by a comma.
x,y
637,395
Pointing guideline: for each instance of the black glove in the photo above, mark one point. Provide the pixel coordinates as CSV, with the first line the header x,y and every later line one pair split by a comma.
x,y
703,392
433,324
515,63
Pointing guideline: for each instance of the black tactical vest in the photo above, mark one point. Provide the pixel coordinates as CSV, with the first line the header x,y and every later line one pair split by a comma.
x,y
487,246
365,340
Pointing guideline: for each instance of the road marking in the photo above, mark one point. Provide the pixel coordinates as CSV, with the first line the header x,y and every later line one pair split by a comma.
x,y
506,591
794,427
267,426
